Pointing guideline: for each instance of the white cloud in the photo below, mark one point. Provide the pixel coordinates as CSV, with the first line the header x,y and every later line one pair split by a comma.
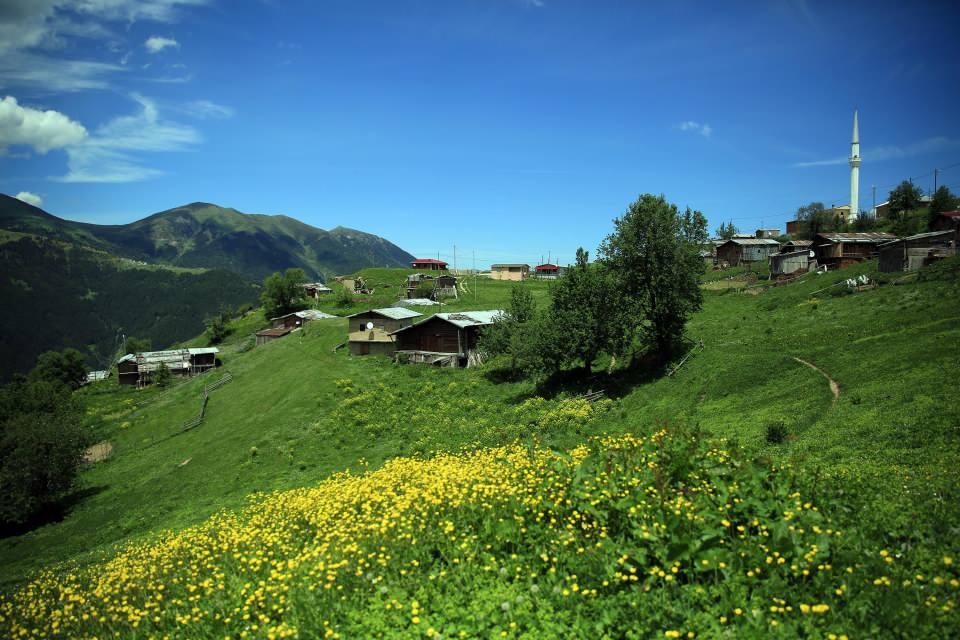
x,y
31,29
207,109
109,154
42,130
890,152
696,127
156,44
29,198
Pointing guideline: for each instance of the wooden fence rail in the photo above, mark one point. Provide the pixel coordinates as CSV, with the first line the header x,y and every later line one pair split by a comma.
x,y
196,420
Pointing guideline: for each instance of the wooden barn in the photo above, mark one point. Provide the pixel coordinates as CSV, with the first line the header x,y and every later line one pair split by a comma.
x,y
841,250
787,263
915,252
369,332
737,251
316,290
445,339
269,335
429,264
299,318
138,369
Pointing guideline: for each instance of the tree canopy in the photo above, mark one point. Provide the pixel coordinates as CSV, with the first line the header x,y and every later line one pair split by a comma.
x,y
726,231
67,367
283,293
905,197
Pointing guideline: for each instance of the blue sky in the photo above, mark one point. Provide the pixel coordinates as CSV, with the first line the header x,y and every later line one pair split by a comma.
x,y
509,128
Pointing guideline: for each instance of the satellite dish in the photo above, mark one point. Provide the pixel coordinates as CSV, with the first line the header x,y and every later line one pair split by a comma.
x,y
812,254
369,325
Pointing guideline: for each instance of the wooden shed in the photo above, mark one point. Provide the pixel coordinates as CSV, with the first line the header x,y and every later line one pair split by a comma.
x,y
269,335
737,251
789,262
316,290
369,331
445,339
299,318
841,250
915,252
796,245
139,369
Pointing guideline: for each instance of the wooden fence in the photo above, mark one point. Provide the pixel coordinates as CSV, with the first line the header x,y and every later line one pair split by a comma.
x,y
196,420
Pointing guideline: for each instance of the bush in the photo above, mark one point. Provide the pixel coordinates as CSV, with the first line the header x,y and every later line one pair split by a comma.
x,y
66,367
41,446
776,433
163,377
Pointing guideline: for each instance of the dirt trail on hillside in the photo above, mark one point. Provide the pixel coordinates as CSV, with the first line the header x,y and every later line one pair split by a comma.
x,y
834,387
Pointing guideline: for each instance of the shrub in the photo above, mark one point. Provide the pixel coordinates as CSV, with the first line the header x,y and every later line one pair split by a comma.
x,y
776,433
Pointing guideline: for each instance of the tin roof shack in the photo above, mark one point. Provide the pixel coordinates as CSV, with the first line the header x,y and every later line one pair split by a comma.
x,y
269,335
369,331
796,245
914,252
445,339
317,289
509,271
429,264
299,318
787,263
139,369
420,285
737,251
841,250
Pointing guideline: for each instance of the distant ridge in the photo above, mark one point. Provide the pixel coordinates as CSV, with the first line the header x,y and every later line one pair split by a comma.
x,y
201,234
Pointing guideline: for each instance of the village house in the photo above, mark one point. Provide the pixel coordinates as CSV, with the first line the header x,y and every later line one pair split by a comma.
x,y
445,339
429,264
138,369
509,271
737,251
316,289
796,245
369,331
841,250
914,252
946,221
299,318
793,227
547,271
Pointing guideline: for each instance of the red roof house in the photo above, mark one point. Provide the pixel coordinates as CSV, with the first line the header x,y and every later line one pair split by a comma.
x,y
429,264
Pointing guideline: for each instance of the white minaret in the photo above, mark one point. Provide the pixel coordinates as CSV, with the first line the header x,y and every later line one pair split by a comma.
x,y
855,170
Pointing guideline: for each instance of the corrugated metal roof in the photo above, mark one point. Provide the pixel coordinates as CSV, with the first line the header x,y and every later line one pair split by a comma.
x,y
768,242
202,350
167,356
508,265
470,318
416,302
801,243
394,313
278,331
861,236
313,314
920,236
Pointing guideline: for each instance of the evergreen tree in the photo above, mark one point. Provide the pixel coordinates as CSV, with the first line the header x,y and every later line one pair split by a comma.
x,y
726,231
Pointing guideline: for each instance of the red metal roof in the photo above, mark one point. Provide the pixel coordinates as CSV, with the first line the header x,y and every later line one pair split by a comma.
x,y
428,261
951,214
547,267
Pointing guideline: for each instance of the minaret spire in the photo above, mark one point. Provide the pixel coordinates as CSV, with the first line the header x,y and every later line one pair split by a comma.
x,y
855,169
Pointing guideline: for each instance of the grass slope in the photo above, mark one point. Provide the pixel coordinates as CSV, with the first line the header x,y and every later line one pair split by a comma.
x,y
297,411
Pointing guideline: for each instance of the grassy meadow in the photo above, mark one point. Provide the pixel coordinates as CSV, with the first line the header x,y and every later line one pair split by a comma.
x,y
736,497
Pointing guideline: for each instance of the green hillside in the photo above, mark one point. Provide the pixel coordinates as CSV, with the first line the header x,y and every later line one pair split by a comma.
x,y
879,461
57,295
208,236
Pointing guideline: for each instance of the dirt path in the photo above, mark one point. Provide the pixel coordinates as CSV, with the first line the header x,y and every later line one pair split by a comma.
x,y
834,387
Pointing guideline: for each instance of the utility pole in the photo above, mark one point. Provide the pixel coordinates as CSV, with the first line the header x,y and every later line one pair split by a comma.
x,y
874,188
455,258
935,172
474,275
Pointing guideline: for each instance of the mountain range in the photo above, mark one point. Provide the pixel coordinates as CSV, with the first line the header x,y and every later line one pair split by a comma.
x,y
73,284
213,237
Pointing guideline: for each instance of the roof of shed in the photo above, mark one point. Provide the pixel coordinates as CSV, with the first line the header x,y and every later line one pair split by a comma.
x,y
462,319
929,235
509,264
161,356
277,331
862,236
801,243
394,313
769,242
306,314
427,261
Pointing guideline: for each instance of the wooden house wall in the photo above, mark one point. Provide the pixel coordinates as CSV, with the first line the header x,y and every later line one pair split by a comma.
x,y
729,253
433,335
359,323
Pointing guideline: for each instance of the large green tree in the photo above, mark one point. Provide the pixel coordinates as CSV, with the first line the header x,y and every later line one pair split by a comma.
x,y
815,218
42,444
905,197
283,293
508,333
943,200
67,367
653,254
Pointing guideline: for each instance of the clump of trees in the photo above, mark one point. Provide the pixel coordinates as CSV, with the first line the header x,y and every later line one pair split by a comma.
x,y
218,326
42,440
637,296
284,292
726,230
